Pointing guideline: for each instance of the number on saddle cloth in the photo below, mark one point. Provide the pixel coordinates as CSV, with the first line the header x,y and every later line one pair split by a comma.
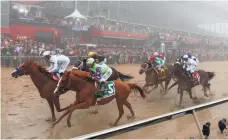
x,y
109,87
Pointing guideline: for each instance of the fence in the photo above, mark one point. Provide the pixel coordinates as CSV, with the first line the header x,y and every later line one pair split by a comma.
x,y
154,120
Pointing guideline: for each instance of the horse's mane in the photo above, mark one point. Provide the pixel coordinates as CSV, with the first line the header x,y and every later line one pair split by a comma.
x,y
43,71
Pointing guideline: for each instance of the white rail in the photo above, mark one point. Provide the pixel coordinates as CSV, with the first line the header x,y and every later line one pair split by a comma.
x,y
150,121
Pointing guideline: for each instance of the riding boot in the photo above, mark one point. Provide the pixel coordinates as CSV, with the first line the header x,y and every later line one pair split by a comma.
x,y
102,88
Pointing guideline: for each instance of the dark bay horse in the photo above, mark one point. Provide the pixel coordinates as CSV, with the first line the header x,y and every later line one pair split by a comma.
x,y
86,97
185,84
152,75
81,65
43,81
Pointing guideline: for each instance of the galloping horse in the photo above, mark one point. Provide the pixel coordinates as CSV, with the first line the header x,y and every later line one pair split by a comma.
x,y
185,84
81,65
86,96
152,75
43,81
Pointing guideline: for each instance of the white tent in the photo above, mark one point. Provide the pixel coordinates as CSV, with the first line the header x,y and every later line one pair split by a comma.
x,y
76,14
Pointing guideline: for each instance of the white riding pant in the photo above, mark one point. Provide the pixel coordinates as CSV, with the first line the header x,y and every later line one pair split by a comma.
x,y
63,66
106,75
103,62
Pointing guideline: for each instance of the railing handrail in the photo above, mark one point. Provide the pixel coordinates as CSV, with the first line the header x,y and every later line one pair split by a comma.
x,y
150,121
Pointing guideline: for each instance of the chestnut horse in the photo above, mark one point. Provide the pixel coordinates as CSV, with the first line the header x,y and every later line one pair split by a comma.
x,y
86,97
152,78
43,81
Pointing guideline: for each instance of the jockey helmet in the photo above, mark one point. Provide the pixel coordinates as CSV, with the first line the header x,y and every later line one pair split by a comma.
x,y
90,61
46,53
185,57
152,58
189,55
155,53
91,54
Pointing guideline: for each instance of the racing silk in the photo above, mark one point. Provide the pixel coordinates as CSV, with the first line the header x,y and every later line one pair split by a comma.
x,y
190,65
157,62
58,63
98,70
163,58
195,59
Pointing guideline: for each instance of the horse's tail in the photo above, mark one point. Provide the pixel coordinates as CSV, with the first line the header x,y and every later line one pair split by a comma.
x,y
211,75
136,87
124,77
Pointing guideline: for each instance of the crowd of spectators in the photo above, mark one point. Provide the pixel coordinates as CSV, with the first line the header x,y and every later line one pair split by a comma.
x,y
25,47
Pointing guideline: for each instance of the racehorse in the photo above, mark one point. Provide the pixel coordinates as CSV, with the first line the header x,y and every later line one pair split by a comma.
x,y
43,81
185,84
81,65
86,96
152,75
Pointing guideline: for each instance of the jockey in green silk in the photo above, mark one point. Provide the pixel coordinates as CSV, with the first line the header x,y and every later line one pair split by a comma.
x,y
100,73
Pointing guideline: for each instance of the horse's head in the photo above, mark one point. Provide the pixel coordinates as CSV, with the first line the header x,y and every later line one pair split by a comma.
x,y
62,85
24,69
144,67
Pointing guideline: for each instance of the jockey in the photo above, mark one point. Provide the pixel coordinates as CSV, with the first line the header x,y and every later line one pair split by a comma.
x,y
157,62
99,73
160,56
101,59
189,65
58,64
193,57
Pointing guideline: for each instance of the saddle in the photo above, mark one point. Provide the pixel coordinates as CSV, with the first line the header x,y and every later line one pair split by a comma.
x,y
55,76
161,72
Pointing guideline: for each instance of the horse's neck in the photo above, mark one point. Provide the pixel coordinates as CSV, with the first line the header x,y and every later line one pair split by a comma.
x,y
77,83
39,79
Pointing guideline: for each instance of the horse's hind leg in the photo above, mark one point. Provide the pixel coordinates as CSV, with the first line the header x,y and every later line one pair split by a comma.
x,y
51,105
128,105
121,111
209,88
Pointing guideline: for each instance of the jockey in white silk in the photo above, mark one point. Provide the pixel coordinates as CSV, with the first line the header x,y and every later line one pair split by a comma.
x,y
190,65
58,63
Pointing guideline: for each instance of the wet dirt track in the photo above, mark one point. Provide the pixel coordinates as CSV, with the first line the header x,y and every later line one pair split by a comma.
x,y
24,112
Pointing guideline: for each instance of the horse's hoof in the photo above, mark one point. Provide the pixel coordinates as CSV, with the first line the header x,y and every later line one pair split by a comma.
x,y
112,125
68,123
206,95
194,98
130,117
50,119
93,112
53,124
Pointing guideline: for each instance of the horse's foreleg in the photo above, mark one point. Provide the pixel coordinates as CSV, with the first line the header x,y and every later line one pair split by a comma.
x,y
190,95
57,104
128,105
181,97
51,105
167,81
174,84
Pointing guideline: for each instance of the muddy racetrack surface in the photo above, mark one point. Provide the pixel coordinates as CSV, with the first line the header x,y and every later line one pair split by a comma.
x,y
24,112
